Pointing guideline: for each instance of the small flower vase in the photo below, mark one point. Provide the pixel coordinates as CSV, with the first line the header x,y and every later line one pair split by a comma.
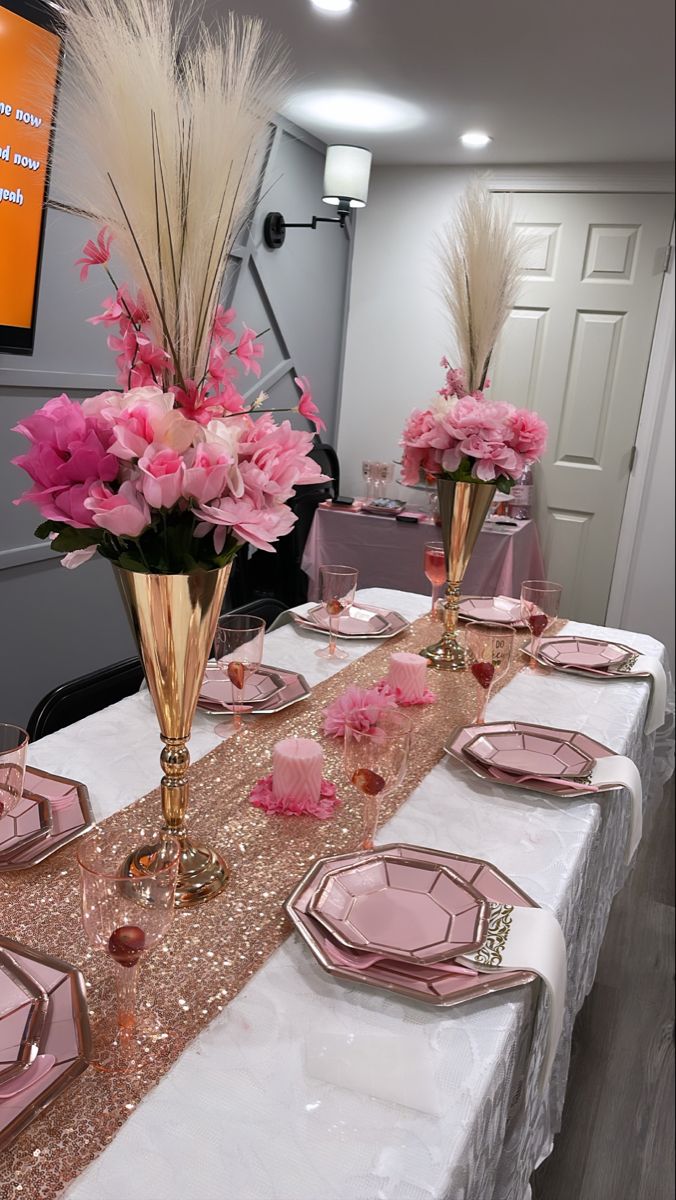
x,y
463,508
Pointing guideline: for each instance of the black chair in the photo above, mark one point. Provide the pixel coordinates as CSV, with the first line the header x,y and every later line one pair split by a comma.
x,y
267,607
326,457
83,696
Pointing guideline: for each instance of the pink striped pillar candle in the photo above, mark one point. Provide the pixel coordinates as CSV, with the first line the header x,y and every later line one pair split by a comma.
x,y
297,765
407,675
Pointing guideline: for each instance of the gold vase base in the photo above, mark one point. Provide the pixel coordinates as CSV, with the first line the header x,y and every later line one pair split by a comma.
x,y
202,873
447,654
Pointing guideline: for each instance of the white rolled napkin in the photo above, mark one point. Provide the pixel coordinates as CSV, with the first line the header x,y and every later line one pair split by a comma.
x,y
528,939
647,665
619,771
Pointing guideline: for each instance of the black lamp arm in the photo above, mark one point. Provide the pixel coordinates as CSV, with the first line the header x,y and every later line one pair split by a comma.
x,y
315,222
275,227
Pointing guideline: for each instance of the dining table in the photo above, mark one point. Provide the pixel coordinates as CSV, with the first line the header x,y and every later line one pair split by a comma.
x,y
453,1110
389,553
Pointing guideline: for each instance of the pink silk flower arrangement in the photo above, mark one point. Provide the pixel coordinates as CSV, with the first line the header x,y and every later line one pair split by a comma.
x,y
169,474
468,439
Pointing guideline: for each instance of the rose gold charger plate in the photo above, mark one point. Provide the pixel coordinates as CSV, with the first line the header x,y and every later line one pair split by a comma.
x,y
270,689
442,983
492,610
586,657
53,812
583,750
62,1043
359,621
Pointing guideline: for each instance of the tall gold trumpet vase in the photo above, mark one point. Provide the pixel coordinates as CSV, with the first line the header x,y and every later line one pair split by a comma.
x,y
463,508
173,618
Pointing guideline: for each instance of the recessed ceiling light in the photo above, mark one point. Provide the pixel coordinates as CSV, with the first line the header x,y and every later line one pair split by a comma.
x,y
476,139
335,7
352,110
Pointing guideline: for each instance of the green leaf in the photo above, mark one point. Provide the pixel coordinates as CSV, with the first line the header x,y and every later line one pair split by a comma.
x,y
76,539
43,531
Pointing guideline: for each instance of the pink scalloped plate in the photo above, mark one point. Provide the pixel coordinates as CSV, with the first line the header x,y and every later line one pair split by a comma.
x,y
64,1042
70,812
462,735
405,909
438,984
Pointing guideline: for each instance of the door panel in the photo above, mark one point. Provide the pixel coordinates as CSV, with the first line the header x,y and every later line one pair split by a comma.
x,y
576,349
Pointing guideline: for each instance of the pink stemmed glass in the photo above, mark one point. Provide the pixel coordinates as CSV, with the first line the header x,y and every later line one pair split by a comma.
x,y
238,650
124,917
490,654
434,565
338,585
376,763
13,751
540,602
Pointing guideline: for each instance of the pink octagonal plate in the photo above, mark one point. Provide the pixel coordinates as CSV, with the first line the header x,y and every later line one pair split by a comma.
x,y
437,984
525,753
586,653
419,912
492,610
70,812
23,1009
25,826
259,688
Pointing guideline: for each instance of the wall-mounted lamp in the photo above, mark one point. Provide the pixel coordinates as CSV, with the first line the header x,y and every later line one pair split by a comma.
x,y
346,185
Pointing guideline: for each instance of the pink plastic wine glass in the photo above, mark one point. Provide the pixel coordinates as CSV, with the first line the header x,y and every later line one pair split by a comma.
x,y
434,565
238,649
375,763
490,653
13,751
124,917
540,600
338,585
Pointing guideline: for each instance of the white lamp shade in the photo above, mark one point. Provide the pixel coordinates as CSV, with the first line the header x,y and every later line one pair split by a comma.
x,y
346,175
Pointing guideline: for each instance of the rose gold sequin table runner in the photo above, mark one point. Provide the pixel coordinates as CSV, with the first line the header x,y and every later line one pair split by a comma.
x,y
210,952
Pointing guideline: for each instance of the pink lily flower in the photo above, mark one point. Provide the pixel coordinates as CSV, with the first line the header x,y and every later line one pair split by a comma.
x,y
222,326
306,405
95,254
249,351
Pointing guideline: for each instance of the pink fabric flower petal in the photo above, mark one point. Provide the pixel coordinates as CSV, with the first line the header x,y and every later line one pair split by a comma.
x,y
262,796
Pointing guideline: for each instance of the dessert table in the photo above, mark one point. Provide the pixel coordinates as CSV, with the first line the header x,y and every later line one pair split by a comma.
x,y
389,553
241,1114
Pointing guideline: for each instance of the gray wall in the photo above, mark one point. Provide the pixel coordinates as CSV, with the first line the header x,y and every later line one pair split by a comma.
x,y
57,624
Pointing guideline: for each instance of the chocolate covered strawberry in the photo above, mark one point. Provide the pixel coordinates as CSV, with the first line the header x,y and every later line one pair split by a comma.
x,y
126,943
484,673
368,782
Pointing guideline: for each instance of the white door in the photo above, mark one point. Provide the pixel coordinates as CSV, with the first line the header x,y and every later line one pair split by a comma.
x,y
576,349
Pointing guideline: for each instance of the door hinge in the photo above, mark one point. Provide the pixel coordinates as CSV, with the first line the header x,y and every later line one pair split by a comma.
x,y
632,459
668,260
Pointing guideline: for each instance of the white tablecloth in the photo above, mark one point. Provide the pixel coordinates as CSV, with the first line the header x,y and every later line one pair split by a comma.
x,y
239,1118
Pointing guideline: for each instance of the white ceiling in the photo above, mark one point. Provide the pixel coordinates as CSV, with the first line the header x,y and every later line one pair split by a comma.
x,y
550,80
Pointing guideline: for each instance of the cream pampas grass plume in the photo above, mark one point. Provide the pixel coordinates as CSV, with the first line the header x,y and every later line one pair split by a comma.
x,y
480,252
162,131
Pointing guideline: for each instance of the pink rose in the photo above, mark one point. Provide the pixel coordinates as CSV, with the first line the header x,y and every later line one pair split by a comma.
x,y
248,522
207,474
124,513
147,416
163,474
528,433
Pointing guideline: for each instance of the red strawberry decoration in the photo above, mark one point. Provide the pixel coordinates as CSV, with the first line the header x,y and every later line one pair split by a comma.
x,y
484,673
538,622
334,608
368,782
126,943
236,674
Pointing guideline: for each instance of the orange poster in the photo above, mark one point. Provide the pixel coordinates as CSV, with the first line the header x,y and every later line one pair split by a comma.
x,y
29,60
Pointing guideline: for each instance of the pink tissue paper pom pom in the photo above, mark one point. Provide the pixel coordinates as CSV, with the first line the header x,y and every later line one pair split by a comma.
x,y
358,709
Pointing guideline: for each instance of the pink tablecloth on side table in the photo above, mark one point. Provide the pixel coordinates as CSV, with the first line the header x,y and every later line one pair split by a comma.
x,y
389,553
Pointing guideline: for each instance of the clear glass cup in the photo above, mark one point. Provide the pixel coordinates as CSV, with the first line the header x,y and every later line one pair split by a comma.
x,y
238,650
376,763
367,475
434,566
337,585
13,750
124,918
540,601
490,652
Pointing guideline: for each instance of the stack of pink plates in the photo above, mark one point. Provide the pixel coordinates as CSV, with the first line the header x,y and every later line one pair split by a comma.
x,y
266,690
492,610
358,621
537,757
399,916
44,1033
52,812
584,656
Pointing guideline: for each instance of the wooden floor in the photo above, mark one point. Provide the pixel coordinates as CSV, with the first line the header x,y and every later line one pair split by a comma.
x,y
617,1138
